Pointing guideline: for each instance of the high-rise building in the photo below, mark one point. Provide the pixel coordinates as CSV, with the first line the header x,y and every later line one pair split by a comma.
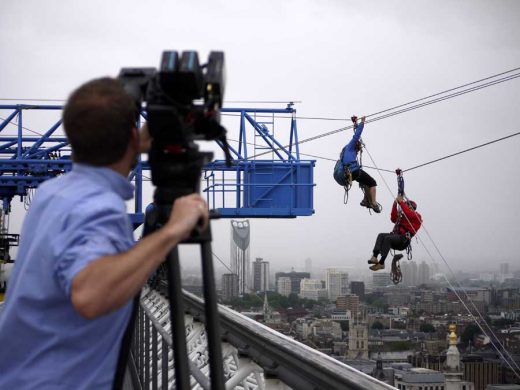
x,y
312,289
504,268
260,275
229,287
284,286
381,279
358,288
240,236
336,283
295,277
423,274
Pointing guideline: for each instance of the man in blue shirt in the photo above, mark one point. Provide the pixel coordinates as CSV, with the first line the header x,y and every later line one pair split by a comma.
x,y
349,159
78,267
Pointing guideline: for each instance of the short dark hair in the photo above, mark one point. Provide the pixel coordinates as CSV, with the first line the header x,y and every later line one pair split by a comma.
x,y
98,119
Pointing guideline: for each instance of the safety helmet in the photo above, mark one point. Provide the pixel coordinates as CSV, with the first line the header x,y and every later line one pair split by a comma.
x,y
413,204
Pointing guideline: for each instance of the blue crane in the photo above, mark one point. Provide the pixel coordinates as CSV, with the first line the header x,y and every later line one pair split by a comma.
x,y
266,180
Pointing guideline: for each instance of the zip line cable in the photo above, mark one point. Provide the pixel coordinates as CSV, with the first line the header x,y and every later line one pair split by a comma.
x,y
455,94
445,91
462,151
472,303
460,286
318,157
437,100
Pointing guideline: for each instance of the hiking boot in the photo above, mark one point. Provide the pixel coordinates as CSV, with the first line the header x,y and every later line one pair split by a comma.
x,y
373,260
397,257
377,267
364,203
376,207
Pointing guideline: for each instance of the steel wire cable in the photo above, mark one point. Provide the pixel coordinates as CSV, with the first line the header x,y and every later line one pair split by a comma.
x,y
462,151
460,287
414,107
445,91
318,157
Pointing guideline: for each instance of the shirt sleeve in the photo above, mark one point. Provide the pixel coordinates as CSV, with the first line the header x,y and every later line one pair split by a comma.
x,y
88,236
357,132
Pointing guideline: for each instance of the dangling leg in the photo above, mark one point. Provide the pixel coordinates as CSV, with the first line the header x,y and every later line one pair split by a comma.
x,y
379,248
369,188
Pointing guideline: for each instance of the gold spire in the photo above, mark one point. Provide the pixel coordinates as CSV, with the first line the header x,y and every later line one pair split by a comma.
x,y
453,336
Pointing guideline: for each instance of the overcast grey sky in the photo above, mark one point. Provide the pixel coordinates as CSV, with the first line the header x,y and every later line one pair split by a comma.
x,y
339,58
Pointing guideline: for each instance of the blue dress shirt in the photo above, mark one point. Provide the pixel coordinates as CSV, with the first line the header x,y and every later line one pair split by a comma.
x,y
44,342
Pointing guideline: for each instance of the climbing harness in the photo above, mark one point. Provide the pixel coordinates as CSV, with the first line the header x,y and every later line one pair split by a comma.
x,y
395,273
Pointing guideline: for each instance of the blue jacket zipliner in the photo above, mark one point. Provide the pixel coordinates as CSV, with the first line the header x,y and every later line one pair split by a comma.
x,y
349,152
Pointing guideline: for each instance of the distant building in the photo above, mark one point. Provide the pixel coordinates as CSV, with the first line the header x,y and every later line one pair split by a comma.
x,y
504,268
308,265
358,288
295,277
418,378
260,275
284,286
381,279
312,289
240,236
323,329
229,287
357,341
336,283
348,302
423,276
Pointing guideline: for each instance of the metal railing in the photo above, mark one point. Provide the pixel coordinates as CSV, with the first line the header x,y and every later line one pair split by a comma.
x,y
255,356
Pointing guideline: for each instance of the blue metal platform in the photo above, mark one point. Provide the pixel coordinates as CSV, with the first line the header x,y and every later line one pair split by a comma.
x,y
267,179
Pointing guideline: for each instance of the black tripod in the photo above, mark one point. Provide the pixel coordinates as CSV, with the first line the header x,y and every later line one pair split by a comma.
x,y
184,178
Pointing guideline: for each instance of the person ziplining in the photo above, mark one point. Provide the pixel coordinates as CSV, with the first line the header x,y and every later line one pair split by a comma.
x,y
407,222
348,168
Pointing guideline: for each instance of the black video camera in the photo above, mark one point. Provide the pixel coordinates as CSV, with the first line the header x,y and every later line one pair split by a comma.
x,y
182,101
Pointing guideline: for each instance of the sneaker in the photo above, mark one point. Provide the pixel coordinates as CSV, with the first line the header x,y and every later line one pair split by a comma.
x,y
373,260
397,257
364,203
376,207
377,267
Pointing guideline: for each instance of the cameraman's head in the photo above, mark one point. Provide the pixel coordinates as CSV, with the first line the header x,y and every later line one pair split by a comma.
x,y
99,121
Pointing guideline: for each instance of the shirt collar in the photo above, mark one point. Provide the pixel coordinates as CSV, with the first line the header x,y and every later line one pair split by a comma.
x,y
112,179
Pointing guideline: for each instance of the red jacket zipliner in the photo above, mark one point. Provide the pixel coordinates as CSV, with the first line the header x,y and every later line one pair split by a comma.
x,y
411,220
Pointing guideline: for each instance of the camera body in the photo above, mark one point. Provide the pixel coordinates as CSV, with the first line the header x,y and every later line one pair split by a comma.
x,y
182,101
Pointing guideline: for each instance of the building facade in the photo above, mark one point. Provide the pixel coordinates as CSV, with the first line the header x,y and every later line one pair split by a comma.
x,y
336,283
296,278
240,238
260,275
358,288
284,286
312,289
229,287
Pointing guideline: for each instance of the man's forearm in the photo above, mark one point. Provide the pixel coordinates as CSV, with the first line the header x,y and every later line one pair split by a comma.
x,y
110,282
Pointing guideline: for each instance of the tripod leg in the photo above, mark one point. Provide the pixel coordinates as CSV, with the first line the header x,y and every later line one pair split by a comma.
x,y
180,352
216,362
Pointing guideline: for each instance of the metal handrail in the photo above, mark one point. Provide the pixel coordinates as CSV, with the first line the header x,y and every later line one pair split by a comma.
x,y
296,364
